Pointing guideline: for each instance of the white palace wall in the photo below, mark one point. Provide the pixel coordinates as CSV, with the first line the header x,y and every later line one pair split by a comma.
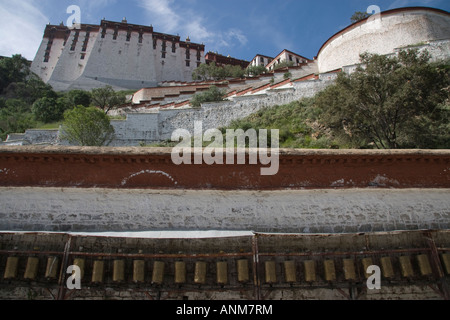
x,y
159,126
383,34
302,211
129,57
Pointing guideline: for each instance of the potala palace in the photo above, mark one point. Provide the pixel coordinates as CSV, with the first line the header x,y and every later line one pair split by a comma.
x,y
128,56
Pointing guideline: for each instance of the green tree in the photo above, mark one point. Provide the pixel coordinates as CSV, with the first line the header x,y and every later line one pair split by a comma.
x,y
390,102
213,72
284,64
75,98
358,16
87,127
254,71
202,73
30,90
15,117
234,72
214,94
48,109
14,69
106,98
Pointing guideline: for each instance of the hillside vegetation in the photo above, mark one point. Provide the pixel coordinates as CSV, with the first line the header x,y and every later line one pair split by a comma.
x,y
388,103
26,102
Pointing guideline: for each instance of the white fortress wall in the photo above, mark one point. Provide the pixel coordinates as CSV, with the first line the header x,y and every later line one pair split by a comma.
x,y
116,62
383,35
123,55
302,211
45,69
137,128
71,65
221,114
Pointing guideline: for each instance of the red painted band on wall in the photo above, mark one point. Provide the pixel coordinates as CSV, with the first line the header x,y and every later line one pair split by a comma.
x,y
148,168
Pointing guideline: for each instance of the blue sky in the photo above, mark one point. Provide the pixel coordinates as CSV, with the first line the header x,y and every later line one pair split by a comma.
x,y
240,28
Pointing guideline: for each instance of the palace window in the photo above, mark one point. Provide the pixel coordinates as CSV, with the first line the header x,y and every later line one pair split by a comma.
x,y
86,41
188,63
116,33
66,36
174,47
129,34
104,32
75,40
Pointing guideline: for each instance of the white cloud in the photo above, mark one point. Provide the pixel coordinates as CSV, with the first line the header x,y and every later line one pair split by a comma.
x,y
90,9
21,28
171,16
161,14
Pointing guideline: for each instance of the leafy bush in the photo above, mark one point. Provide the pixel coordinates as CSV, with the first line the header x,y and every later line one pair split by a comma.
x,y
214,94
87,127
255,71
296,122
48,110
213,72
390,103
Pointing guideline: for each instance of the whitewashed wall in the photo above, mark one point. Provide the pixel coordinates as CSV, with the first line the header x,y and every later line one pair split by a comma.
x,y
383,36
295,211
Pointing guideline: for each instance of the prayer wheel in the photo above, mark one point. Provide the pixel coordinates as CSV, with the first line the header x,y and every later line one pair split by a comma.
x,y
349,269
330,270
366,263
158,273
31,269
138,271
446,262
424,265
12,264
119,270
222,273
180,272
97,271
243,274
386,267
51,272
271,274
406,266
310,270
200,272
80,263
290,273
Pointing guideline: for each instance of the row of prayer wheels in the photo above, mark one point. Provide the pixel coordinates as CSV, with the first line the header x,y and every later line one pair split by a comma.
x,y
159,268
118,275
221,267
349,268
32,268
